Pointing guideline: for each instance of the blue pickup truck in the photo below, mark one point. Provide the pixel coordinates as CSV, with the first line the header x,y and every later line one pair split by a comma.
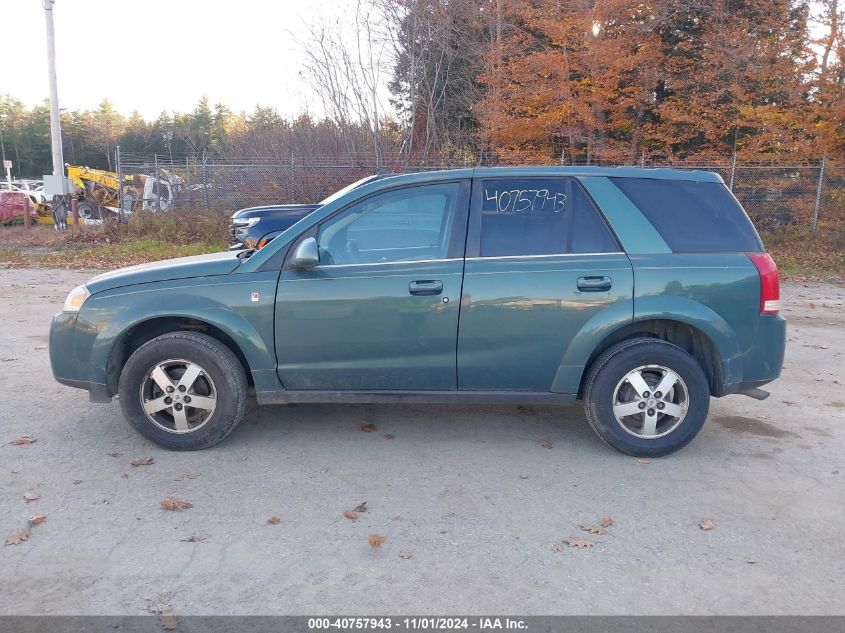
x,y
256,227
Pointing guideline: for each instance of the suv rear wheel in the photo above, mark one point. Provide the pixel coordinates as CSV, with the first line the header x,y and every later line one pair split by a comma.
x,y
183,390
646,397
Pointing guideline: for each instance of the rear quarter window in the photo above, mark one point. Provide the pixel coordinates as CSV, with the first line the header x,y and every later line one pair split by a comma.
x,y
693,217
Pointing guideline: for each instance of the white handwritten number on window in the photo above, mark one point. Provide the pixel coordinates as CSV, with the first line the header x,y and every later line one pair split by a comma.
x,y
526,200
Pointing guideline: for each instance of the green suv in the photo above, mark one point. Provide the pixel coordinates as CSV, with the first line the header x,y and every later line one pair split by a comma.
x,y
643,292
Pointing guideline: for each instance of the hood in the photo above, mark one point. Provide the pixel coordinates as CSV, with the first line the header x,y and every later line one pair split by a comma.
x,y
291,210
166,270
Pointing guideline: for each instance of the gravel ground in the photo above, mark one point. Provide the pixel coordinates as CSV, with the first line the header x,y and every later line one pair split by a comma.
x,y
472,508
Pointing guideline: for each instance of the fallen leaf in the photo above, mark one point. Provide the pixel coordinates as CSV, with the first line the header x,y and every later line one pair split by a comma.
x,y
23,441
592,528
545,444
523,476
38,519
643,461
194,538
31,495
350,514
361,507
376,540
169,622
125,476
17,536
115,454
368,428
274,520
706,524
142,461
175,505
557,547
812,306
525,410
579,543
388,436
606,522
185,476
405,555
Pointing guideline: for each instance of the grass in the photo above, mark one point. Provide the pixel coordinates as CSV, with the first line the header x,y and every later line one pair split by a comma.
x,y
800,251
146,237
13,258
126,253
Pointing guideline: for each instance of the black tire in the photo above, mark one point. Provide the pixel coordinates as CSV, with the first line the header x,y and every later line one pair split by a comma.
x,y
614,365
88,210
226,374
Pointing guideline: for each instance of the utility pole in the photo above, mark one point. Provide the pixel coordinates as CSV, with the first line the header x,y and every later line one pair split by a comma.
x,y
55,126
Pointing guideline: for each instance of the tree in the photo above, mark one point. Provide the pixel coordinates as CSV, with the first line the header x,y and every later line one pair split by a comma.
x,y
101,130
437,46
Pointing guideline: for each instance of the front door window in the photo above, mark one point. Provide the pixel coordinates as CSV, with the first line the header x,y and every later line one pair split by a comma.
x,y
406,225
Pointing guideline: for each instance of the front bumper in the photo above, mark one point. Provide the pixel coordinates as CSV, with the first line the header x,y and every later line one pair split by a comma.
x,y
67,359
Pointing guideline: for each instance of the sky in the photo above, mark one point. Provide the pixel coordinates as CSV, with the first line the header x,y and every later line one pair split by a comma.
x,y
154,55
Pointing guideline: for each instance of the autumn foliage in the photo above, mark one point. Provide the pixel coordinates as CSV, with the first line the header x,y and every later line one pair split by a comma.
x,y
616,80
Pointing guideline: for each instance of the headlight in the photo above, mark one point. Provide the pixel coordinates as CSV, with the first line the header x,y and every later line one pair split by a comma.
x,y
244,224
75,299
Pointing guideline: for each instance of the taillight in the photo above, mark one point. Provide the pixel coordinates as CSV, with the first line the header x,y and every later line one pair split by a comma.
x,y
769,282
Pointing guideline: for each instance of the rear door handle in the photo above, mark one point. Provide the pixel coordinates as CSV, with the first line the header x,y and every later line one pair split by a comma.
x,y
425,287
594,284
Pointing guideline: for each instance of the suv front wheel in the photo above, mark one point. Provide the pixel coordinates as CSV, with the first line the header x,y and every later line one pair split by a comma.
x,y
183,390
646,397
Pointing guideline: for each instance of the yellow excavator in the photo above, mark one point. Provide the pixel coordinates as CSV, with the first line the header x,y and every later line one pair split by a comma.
x,y
96,191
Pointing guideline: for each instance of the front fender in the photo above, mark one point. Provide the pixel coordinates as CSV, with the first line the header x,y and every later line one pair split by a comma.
x,y
226,305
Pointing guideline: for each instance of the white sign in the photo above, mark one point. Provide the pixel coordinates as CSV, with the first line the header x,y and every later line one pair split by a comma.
x,y
57,185
7,164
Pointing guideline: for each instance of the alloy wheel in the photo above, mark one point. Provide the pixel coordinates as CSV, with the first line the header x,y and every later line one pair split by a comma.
x,y
650,401
178,396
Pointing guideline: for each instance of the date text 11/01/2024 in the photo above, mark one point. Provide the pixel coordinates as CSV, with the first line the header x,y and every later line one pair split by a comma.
x,y
432,623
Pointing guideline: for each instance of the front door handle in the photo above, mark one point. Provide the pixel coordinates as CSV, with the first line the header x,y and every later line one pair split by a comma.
x,y
425,287
594,284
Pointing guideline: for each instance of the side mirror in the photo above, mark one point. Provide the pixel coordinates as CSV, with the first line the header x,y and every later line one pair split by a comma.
x,y
306,254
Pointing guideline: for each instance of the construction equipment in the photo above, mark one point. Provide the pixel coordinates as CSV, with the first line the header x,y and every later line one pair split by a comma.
x,y
100,192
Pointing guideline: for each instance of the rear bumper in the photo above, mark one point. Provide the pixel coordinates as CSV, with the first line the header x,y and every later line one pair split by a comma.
x,y
96,391
764,360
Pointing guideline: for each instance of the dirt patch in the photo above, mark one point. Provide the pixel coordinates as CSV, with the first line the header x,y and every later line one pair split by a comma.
x,y
762,456
752,426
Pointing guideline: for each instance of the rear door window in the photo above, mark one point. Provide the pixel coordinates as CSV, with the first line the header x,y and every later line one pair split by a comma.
x,y
538,216
693,217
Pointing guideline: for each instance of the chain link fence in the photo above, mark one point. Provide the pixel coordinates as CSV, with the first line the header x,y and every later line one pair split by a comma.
x,y
774,194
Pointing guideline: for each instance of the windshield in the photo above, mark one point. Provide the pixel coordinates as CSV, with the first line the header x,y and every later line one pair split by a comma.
x,y
347,189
